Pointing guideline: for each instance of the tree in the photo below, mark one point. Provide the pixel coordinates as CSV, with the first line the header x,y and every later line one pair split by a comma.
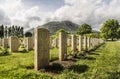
x,y
95,35
9,31
28,34
21,32
84,29
110,29
13,31
18,31
5,31
1,31
58,31
118,32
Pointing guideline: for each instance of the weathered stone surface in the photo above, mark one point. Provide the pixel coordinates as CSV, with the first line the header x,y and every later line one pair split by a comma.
x,y
5,42
88,42
92,42
85,43
41,52
14,44
77,41
68,42
29,43
80,43
51,43
55,42
0,42
62,46
74,43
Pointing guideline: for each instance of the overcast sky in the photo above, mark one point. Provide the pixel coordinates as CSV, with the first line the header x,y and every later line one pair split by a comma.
x,y
31,13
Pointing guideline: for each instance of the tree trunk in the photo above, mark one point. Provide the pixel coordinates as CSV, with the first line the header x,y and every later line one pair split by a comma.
x,y
112,39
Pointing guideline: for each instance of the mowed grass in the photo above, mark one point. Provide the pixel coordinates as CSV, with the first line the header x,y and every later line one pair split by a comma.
x,y
104,63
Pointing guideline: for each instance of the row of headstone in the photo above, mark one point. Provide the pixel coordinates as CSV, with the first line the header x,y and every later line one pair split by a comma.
x,y
4,42
42,43
14,43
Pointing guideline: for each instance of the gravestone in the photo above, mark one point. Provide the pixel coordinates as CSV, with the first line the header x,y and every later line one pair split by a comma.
x,y
73,43
77,41
68,42
80,43
91,42
94,41
41,52
62,46
29,43
55,42
0,42
85,43
88,42
51,43
14,44
5,42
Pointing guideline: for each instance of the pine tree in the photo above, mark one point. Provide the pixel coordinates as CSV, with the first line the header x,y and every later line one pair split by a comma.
x,y
9,32
2,31
21,32
5,32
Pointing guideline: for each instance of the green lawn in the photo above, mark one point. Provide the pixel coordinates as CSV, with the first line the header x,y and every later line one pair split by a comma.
x,y
104,63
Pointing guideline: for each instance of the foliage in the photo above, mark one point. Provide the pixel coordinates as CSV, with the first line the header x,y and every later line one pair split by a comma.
x,y
4,51
22,49
6,31
110,29
60,30
1,31
95,35
57,33
118,30
28,34
84,29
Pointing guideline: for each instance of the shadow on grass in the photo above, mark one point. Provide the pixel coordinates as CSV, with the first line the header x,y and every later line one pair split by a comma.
x,y
54,68
79,68
113,75
96,47
88,58
94,54
1,55
72,59
24,51
26,66
54,59
29,67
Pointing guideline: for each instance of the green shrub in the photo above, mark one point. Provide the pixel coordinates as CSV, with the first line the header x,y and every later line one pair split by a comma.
x,y
4,51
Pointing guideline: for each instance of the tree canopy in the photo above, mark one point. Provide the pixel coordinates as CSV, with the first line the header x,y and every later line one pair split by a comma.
x,y
110,29
84,29
6,31
28,34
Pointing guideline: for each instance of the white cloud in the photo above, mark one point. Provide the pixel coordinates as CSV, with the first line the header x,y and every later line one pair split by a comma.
x,y
93,12
20,14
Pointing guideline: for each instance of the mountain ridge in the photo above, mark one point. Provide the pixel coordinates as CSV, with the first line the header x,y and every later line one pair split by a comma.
x,y
53,26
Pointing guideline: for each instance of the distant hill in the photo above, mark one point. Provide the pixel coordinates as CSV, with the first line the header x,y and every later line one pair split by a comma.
x,y
56,25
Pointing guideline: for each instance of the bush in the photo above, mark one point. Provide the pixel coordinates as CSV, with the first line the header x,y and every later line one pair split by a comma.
x,y
22,49
4,51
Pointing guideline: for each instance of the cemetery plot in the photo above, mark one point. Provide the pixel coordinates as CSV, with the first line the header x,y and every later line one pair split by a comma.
x,y
50,55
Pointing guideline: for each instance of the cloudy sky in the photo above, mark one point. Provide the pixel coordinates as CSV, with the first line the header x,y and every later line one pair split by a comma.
x,y
31,13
